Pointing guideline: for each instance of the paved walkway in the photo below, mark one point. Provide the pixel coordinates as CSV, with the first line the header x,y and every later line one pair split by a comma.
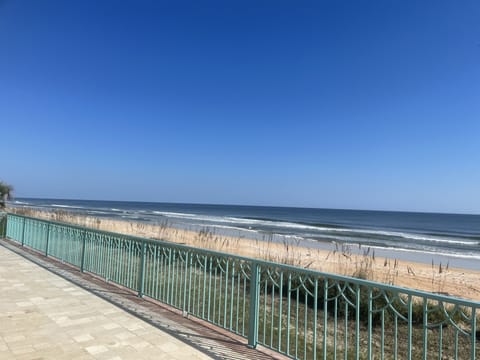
x,y
50,310
43,316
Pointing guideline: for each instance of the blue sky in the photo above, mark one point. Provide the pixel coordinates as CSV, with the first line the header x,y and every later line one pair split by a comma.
x,y
334,104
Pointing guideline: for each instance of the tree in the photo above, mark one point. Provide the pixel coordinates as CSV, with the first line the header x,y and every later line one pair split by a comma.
x,y
6,193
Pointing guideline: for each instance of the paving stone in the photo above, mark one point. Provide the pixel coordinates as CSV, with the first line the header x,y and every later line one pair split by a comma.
x,y
64,312
57,305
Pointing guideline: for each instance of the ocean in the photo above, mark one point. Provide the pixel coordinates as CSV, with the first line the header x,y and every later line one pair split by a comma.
x,y
424,237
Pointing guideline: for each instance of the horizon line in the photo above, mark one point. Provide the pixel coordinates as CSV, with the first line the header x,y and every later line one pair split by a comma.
x,y
247,205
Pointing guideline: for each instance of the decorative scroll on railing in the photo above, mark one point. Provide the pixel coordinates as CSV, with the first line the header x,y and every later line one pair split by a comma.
x,y
302,313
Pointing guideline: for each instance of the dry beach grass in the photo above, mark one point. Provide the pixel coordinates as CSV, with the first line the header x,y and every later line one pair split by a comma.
x,y
438,278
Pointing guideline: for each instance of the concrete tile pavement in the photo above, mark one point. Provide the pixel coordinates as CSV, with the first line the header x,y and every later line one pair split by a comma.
x,y
43,316
193,333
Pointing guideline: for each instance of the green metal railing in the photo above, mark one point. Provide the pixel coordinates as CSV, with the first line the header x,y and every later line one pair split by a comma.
x,y
301,313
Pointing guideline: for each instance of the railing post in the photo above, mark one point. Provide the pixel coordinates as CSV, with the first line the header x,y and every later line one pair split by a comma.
x,y
184,306
84,241
370,322
141,272
253,308
48,239
23,232
473,326
357,322
410,331
425,328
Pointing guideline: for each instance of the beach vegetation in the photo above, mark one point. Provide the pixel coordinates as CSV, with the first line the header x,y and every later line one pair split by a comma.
x,y
6,193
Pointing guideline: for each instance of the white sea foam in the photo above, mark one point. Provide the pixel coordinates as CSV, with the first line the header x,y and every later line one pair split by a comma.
x,y
211,220
228,227
175,214
404,235
245,220
425,251
66,206
409,236
319,230
295,237
130,217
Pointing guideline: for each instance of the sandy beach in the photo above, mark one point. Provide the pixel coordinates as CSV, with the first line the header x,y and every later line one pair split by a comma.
x,y
427,277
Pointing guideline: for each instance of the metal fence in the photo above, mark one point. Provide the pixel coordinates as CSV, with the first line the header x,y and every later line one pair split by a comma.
x,y
301,313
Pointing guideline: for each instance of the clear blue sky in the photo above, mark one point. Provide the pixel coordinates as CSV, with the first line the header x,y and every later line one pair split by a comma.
x,y
343,104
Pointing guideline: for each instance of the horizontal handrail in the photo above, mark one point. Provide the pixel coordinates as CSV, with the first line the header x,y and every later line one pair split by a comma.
x,y
360,282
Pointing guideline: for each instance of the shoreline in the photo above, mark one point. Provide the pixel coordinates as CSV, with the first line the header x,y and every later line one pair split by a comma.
x,y
468,263
409,255
436,277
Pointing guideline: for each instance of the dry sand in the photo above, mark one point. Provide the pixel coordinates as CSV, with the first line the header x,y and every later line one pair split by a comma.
x,y
449,281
